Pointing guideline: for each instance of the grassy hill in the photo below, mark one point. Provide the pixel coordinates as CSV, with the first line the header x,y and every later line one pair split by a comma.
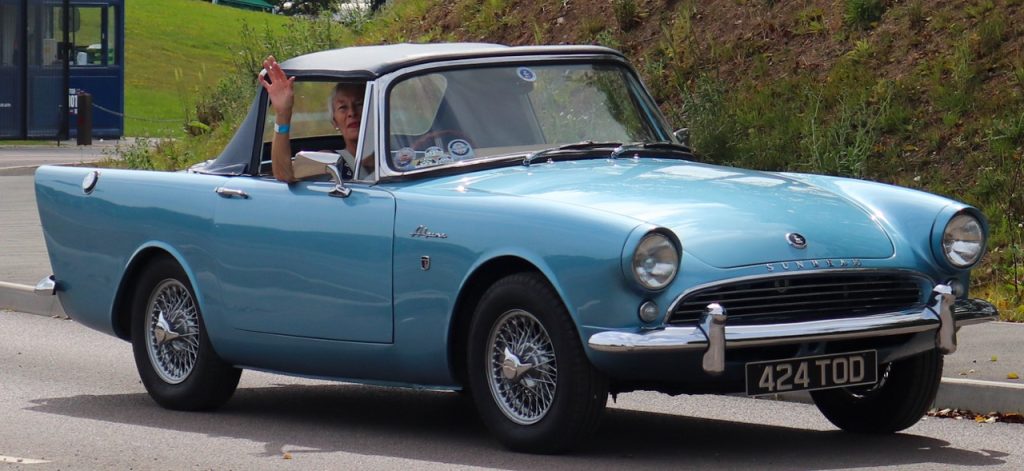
x,y
173,48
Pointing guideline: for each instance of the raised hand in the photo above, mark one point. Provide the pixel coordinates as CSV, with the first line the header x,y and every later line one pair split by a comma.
x,y
279,89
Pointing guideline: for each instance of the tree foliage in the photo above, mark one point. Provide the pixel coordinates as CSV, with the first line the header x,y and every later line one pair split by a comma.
x,y
306,7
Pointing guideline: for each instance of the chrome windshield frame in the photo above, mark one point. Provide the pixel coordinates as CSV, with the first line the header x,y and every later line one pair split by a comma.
x,y
384,84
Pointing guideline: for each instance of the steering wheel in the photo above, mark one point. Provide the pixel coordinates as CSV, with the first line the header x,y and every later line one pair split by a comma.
x,y
454,133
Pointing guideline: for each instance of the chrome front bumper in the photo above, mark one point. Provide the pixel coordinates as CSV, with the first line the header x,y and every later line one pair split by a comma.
x,y
944,314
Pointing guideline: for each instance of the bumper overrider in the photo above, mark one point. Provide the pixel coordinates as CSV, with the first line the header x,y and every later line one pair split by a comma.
x,y
944,314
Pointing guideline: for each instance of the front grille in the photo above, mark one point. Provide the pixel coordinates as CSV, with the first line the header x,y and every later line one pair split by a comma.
x,y
795,298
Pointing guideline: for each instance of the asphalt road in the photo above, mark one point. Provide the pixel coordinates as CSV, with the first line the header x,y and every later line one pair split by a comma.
x,y
70,399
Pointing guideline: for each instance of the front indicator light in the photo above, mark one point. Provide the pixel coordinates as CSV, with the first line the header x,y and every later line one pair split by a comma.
x,y
648,312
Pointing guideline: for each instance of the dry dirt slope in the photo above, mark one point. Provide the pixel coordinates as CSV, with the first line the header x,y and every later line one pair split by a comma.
x,y
925,94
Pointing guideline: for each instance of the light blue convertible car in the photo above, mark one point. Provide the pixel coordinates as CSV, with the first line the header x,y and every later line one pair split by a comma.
x,y
531,232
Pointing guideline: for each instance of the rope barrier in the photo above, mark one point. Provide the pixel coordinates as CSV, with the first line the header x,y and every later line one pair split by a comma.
x,y
153,120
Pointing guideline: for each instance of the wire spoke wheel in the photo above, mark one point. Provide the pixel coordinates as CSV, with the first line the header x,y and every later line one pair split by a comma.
x,y
172,331
522,372
530,378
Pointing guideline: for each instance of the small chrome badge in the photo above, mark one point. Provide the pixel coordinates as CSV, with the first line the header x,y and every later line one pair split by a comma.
x,y
796,240
425,262
422,231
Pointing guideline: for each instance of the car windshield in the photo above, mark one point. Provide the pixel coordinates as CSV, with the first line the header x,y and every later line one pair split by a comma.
x,y
462,115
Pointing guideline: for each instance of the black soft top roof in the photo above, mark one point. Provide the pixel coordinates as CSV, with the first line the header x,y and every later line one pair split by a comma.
x,y
369,62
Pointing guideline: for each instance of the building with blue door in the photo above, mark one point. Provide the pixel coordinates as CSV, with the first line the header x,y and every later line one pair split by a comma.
x,y
50,51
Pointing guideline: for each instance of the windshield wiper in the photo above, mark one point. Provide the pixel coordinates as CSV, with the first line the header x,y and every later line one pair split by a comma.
x,y
658,145
619,149
584,145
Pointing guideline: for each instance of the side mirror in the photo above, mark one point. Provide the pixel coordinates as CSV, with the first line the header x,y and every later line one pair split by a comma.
x,y
683,136
340,190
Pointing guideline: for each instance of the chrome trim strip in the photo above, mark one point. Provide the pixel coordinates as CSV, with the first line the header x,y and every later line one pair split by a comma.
x,y
46,286
742,279
366,127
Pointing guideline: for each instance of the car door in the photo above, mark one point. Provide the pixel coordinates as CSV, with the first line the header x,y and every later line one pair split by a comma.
x,y
293,260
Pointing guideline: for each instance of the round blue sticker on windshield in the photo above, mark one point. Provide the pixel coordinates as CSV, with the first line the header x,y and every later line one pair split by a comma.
x,y
460,149
526,73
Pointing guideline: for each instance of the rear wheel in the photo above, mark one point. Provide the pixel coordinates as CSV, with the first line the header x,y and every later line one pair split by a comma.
x,y
173,354
528,374
904,392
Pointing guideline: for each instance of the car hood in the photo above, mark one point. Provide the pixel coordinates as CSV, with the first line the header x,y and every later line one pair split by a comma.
x,y
724,216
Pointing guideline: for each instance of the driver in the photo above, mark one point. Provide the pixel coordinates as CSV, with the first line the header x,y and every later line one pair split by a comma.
x,y
346,110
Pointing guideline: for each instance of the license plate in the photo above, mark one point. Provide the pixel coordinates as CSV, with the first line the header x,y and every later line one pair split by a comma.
x,y
809,373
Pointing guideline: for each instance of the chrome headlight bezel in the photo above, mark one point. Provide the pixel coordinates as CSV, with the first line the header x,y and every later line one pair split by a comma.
x,y
958,242
655,261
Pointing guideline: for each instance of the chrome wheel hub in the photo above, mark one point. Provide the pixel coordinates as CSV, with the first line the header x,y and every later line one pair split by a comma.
x,y
172,333
522,371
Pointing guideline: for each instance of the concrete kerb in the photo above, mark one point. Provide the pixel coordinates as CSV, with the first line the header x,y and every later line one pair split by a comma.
x,y
18,171
980,396
23,298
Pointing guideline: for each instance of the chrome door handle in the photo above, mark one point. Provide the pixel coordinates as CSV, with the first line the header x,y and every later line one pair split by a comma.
x,y
231,193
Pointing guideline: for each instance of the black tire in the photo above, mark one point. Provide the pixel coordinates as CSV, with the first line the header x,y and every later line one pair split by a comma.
x,y
905,391
181,372
568,395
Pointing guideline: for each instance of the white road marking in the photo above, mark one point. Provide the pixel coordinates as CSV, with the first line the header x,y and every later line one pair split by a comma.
x,y
16,460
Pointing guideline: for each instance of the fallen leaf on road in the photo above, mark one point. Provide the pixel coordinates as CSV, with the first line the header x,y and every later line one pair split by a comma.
x,y
990,418
994,358
287,456
1013,418
1012,376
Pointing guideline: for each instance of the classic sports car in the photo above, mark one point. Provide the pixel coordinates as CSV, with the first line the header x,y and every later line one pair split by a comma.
x,y
532,233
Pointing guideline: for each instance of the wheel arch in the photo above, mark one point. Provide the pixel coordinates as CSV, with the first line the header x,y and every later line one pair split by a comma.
x,y
121,312
472,290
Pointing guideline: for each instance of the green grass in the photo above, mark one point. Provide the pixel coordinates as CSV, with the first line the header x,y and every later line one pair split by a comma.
x,y
172,49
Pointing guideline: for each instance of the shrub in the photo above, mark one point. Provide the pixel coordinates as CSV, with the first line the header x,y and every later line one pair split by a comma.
x,y
863,13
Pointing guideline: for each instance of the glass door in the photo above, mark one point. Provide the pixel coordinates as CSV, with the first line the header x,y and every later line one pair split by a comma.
x,y
48,51
12,32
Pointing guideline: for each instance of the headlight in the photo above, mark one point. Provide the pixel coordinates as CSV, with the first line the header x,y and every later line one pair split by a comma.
x,y
655,261
963,241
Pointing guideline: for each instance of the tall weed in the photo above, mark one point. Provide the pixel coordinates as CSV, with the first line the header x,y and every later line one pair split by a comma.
x,y
627,13
1000,187
842,145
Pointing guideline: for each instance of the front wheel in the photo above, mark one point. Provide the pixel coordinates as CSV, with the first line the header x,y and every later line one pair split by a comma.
x,y
173,354
904,392
528,374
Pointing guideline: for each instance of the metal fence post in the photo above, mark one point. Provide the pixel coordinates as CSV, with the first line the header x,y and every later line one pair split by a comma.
x,y
84,118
